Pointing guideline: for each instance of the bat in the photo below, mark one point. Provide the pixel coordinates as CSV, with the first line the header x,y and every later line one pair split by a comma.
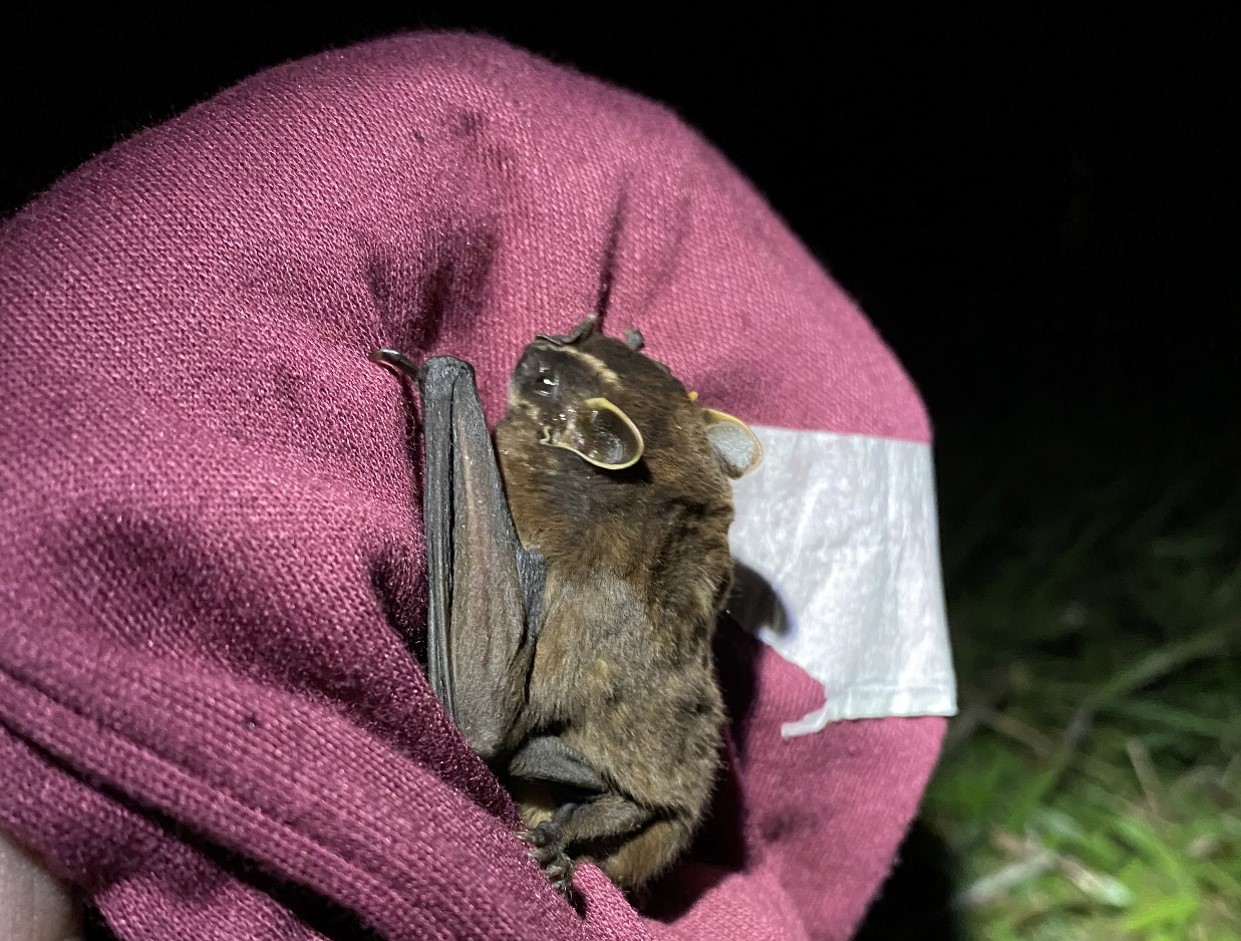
x,y
574,590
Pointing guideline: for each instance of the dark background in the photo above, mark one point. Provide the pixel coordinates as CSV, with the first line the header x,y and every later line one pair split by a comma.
x,y
1038,206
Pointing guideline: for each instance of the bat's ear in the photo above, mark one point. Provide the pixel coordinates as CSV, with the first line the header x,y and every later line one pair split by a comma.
x,y
580,332
737,447
603,435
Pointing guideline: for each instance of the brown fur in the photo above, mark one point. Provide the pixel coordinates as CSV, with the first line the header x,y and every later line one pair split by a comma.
x,y
637,570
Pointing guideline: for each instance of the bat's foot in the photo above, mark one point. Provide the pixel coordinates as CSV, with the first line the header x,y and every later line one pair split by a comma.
x,y
547,848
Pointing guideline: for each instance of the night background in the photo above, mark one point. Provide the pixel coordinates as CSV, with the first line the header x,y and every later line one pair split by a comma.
x,y
1040,209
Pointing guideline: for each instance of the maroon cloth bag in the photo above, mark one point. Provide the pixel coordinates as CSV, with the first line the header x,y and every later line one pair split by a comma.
x,y
211,568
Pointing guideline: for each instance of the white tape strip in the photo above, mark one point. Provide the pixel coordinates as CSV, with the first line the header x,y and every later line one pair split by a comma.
x,y
836,539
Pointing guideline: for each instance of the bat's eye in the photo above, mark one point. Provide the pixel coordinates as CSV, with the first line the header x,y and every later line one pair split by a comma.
x,y
546,385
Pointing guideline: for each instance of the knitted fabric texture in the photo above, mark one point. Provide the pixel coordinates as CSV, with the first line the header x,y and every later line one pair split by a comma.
x,y
211,557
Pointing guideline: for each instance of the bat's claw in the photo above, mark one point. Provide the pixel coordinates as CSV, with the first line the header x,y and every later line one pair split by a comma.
x,y
397,361
545,834
560,874
547,848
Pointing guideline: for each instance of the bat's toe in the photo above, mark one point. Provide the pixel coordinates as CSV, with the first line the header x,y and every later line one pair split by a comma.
x,y
545,836
559,873
547,848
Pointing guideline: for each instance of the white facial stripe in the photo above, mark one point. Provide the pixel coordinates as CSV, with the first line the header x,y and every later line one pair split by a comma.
x,y
598,365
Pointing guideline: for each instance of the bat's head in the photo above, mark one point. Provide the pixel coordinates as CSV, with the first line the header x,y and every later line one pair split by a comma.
x,y
603,400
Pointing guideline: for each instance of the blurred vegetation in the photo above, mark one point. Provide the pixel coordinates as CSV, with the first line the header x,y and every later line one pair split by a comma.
x,y
1091,785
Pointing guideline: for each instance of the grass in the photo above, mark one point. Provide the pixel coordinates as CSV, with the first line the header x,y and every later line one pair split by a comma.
x,y
1091,786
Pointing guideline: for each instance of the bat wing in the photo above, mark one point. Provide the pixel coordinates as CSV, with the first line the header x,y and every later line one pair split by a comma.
x,y
483,588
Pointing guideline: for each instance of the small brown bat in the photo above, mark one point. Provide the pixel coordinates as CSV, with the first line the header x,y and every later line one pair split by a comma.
x,y
575,652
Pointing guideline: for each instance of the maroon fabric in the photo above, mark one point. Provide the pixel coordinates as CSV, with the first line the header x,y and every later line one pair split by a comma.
x,y
212,561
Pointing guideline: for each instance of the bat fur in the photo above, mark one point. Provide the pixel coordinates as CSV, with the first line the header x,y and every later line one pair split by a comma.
x,y
617,482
